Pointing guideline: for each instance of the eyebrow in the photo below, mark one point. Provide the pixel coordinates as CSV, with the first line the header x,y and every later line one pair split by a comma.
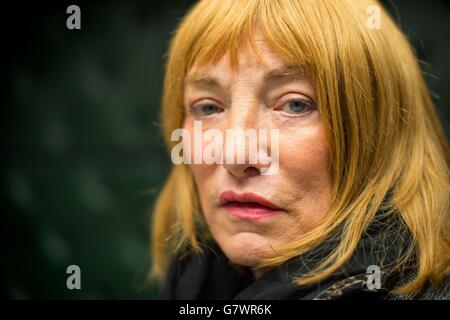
x,y
287,71
271,75
203,81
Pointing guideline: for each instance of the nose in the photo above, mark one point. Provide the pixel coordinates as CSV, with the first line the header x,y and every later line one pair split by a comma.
x,y
245,149
242,171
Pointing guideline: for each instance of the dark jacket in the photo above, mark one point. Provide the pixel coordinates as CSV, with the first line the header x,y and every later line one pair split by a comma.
x,y
210,275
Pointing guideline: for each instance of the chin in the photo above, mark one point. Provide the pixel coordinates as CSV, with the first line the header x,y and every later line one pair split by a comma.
x,y
246,249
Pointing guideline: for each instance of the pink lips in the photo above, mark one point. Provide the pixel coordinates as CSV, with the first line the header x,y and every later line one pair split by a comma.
x,y
247,206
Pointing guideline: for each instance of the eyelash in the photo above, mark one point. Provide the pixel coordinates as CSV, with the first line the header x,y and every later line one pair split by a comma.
x,y
195,108
309,106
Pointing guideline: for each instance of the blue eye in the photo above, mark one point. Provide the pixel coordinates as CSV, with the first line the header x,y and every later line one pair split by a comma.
x,y
297,106
209,109
205,110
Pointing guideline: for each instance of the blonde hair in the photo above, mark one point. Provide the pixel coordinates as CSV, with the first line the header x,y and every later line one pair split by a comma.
x,y
384,133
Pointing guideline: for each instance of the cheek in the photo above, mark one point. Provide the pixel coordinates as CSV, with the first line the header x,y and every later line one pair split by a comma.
x,y
206,184
200,174
305,165
304,155
199,171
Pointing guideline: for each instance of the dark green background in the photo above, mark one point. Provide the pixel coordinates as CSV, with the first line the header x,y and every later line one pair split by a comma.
x,y
82,154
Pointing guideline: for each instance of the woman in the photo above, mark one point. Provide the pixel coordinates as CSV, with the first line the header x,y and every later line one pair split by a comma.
x,y
359,203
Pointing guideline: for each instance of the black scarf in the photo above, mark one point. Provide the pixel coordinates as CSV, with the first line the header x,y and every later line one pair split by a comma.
x,y
210,275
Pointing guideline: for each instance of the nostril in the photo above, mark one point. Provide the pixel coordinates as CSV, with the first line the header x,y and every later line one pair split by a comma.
x,y
252,171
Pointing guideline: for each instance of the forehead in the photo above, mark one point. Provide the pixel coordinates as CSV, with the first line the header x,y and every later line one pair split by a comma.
x,y
258,63
250,59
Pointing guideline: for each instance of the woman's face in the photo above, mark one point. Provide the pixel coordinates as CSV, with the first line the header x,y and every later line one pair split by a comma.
x,y
250,214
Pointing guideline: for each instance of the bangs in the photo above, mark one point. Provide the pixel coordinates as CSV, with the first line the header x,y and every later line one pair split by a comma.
x,y
230,28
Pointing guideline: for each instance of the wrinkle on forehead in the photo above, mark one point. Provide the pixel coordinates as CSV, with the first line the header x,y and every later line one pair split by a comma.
x,y
252,53
251,58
